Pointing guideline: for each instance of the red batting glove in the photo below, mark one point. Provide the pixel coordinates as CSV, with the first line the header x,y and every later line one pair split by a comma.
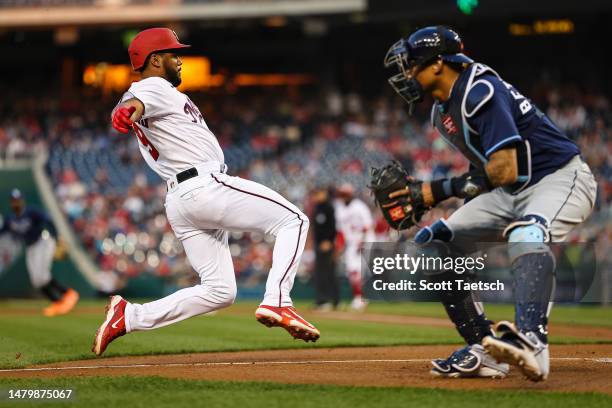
x,y
121,119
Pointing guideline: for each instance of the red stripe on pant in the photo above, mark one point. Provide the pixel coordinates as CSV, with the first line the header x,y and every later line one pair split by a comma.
x,y
297,245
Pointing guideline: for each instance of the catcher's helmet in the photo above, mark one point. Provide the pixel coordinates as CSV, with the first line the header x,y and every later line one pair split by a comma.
x,y
152,40
422,47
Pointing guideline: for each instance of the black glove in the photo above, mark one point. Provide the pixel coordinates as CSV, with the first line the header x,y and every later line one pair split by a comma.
x,y
399,196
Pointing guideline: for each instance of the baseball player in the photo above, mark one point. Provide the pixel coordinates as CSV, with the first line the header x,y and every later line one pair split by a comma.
x,y
527,185
356,225
39,235
202,204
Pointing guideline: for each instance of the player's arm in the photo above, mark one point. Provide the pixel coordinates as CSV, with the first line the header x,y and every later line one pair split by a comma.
x,y
489,111
501,170
126,113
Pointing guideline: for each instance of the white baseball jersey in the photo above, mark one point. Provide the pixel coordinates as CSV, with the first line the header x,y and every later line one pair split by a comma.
x,y
201,210
172,133
355,221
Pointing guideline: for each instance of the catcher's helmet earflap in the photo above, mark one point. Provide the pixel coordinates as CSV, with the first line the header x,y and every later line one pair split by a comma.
x,y
422,47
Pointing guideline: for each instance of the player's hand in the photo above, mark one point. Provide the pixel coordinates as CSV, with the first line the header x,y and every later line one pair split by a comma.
x,y
428,199
326,246
121,118
60,250
399,197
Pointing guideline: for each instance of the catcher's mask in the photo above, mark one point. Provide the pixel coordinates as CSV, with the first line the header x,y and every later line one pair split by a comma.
x,y
421,48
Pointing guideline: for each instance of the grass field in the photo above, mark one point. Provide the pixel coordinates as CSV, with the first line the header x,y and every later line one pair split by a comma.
x,y
585,315
135,392
27,338
46,340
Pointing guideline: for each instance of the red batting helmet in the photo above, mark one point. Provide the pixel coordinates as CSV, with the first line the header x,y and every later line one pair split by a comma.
x,y
152,40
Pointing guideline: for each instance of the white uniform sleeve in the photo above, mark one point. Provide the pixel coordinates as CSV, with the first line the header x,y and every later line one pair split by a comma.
x,y
152,92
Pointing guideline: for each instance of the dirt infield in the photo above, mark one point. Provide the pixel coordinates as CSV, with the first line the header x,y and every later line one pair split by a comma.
x,y
584,331
574,368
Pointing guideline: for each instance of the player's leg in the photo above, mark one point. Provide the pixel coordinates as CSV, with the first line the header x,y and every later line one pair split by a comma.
x,y
352,259
208,253
325,280
39,260
564,198
548,211
39,255
243,205
480,220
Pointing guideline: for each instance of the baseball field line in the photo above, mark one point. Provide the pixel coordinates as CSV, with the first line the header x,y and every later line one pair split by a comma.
x,y
247,363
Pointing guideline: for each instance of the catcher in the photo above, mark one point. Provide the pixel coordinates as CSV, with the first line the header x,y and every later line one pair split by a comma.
x,y
527,184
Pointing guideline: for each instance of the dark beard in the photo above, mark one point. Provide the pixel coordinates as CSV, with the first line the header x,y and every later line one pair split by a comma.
x,y
172,75
174,78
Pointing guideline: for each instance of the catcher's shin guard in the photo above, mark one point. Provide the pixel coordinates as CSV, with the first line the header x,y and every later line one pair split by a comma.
x,y
464,311
533,272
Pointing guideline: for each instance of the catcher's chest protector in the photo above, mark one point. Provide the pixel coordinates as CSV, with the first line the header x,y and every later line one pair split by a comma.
x,y
451,122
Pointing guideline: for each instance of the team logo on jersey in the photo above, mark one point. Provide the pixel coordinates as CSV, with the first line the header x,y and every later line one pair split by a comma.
x,y
449,125
397,213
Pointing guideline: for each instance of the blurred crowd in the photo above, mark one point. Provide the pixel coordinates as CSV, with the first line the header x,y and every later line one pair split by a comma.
x,y
289,140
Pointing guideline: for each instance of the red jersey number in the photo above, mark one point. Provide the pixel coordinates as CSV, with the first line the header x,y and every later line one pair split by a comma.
x,y
145,142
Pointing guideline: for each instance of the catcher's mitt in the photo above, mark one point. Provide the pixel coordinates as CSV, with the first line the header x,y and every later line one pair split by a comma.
x,y
399,196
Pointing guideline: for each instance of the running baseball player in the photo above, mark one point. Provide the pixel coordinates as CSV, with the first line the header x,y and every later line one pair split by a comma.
x,y
527,185
202,204
356,225
36,230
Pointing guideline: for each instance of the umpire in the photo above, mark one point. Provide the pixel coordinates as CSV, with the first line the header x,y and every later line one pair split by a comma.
x,y
324,229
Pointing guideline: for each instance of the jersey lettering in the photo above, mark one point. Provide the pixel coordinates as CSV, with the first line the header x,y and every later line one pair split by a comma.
x,y
145,142
172,134
525,106
193,111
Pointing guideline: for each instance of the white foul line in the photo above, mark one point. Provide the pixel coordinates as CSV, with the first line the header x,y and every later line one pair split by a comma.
x,y
247,363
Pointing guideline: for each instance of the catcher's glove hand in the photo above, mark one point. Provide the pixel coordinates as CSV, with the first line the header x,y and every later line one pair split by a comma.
x,y
399,196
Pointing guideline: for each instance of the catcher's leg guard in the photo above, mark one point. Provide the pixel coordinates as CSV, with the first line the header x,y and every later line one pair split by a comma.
x,y
460,305
533,268
467,314
525,345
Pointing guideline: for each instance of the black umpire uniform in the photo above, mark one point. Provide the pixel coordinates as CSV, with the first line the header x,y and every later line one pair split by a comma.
x,y
324,230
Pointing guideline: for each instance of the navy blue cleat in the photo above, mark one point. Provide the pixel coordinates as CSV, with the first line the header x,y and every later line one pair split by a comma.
x,y
469,362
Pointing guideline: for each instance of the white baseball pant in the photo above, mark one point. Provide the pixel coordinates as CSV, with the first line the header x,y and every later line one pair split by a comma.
x,y
564,198
39,259
201,211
